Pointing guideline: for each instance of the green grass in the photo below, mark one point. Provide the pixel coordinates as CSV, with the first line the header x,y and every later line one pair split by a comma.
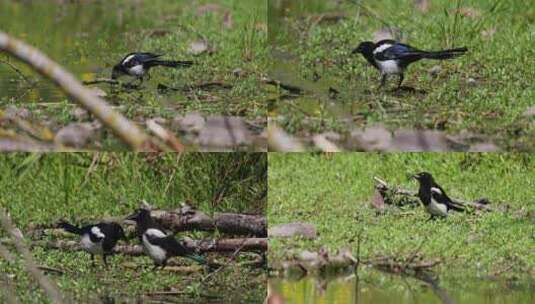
x,y
500,65
43,188
235,30
334,193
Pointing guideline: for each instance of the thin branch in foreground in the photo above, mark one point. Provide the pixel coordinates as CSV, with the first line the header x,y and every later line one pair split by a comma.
x,y
120,125
50,288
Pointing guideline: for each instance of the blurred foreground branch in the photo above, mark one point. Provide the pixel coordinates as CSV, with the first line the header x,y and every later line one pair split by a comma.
x,y
120,125
50,288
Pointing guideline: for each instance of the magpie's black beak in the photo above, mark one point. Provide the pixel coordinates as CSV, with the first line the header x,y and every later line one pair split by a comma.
x,y
415,176
132,217
355,51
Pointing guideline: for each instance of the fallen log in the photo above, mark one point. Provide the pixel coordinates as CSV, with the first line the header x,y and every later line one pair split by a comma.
x,y
222,245
392,195
187,218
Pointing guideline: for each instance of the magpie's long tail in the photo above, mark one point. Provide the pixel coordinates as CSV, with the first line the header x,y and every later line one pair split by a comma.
x,y
456,206
69,228
172,63
197,258
445,54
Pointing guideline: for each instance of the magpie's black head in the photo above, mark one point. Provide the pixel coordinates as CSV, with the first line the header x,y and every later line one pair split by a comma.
x,y
139,216
116,71
423,177
364,48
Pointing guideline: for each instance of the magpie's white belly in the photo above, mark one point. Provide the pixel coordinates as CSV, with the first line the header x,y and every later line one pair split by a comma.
x,y
136,70
93,248
437,209
156,253
389,67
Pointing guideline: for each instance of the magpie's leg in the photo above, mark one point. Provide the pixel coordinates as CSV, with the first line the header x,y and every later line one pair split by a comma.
x,y
92,260
164,264
155,267
105,261
401,77
432,217
383,80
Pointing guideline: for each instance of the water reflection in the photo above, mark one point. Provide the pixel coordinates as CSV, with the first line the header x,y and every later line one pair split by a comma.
x,y
377,287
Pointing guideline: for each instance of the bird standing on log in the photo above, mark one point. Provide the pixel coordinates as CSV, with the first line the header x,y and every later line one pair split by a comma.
x,y
156,243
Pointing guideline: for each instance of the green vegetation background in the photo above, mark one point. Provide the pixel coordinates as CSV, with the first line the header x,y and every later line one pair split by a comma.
x,y
334,192
85,187
317,55
70,34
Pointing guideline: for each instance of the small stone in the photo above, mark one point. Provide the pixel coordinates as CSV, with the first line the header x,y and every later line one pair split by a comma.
x,y
15,112
190,123
471,81
225,132
435,70
80,114
238,72
75,135
304,230
98,92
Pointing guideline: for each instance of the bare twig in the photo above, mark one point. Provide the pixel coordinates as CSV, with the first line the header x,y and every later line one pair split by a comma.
x,y
14,68
50,288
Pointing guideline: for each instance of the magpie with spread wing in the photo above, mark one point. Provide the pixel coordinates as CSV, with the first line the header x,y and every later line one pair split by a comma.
x,y
392,58
433,197
139,64
158,245
97,239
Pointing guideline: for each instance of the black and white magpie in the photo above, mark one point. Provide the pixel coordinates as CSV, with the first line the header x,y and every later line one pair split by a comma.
x,y
391,57
98,239
433,197
139,64
158,245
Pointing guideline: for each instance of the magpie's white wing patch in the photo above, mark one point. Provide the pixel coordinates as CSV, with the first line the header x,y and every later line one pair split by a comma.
x,y
153,232
436,190
96,232
128,58
381,48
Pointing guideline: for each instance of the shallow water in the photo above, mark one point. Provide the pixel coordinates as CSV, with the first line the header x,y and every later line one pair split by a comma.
x,y
376,287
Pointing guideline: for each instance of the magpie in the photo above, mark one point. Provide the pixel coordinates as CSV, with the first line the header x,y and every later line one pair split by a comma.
x,y
433,197
97,239
139,64
391,57
158,245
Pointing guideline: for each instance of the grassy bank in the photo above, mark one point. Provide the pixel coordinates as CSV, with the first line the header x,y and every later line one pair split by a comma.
x,y
227,40
83,188
334,193
485,92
